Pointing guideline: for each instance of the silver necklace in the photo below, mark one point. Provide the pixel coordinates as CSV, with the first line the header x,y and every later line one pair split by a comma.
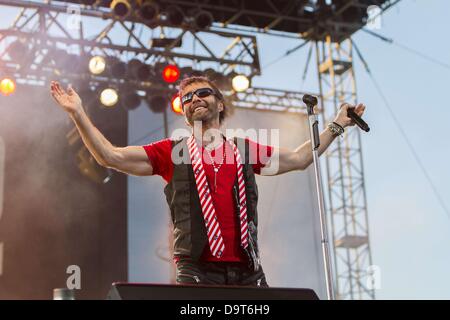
x,y
216,168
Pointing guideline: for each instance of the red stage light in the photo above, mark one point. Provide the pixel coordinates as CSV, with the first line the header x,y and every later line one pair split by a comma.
x,y
7,86
176,104
171,73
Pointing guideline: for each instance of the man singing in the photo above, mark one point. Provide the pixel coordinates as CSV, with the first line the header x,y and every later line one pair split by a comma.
x,y
211,192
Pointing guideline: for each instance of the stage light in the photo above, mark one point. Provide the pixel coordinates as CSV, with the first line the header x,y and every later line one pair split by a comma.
x,y
222,81
157,101
97,65
139,70
109,97
176,104
240,83
186,71
121,8
148,10
203,19
166,42
171,73
7,86
174,15
19,51
117,68
129,99
89,167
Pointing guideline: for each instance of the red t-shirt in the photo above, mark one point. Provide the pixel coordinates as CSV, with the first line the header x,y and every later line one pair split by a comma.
x,y
159,154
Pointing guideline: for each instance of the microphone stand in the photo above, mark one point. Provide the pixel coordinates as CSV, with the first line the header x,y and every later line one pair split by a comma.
x,y
310,102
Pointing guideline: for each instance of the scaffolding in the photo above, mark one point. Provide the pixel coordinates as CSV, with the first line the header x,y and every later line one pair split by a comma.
x,y
345,196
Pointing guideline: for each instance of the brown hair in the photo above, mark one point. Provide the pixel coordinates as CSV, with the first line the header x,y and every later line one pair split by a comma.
x,y
197,78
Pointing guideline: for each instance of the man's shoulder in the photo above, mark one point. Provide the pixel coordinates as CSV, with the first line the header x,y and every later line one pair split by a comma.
x,y
167,141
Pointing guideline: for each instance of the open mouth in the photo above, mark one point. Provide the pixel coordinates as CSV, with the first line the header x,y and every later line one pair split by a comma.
x,y
199,108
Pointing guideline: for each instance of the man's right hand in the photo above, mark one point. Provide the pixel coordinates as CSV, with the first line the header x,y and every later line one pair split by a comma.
x,y
70,101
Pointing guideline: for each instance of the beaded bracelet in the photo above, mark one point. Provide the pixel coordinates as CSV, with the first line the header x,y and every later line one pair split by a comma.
x,y
336,128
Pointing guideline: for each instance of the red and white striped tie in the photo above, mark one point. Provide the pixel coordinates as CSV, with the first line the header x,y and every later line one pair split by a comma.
x,y
214,234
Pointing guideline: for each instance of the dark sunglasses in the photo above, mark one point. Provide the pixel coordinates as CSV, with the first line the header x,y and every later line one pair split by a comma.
x,y
201,93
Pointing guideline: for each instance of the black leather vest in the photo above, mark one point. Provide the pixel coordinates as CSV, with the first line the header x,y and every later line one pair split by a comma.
x,y
189,229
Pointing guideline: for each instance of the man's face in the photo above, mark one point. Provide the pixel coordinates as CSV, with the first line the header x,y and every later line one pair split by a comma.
x,y
204,109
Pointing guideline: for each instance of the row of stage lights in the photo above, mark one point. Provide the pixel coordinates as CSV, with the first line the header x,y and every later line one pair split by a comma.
x,y
169,73
111,94
153,12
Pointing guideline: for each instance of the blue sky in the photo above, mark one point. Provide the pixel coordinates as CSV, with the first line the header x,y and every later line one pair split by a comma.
x,y
409,228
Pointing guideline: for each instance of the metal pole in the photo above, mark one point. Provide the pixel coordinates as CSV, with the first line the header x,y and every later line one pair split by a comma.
x,y
310,102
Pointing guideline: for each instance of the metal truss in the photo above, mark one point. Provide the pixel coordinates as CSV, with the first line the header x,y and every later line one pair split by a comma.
x,y
346,197
45,27
287,18
270,99
48,27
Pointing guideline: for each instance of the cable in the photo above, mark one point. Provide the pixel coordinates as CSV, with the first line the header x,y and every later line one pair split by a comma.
x,y
305,71
402,131
285,54
410,50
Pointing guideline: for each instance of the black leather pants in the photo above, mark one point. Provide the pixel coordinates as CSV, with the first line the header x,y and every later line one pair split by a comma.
x,y
219,273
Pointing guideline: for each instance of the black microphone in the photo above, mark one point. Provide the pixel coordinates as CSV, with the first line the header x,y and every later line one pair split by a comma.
x,y
359,122
309,100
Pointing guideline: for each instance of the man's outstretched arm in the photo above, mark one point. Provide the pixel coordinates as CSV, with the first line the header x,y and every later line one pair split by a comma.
x,y
131,160
285,160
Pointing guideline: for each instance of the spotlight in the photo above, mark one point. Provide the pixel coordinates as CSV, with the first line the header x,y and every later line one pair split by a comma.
x,y
139,70
117,68
129,98
222,81
176,104
174,15
240,83
89,167
18,51
203,19
97,65
186,71
148,10
171,73
165,42
109,97
157,101
7,86
121,8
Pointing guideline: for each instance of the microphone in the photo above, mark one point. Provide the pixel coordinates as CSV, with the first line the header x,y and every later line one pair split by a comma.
x,y
359,122
309,100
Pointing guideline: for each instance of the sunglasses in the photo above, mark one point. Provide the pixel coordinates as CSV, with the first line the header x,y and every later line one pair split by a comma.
x,y
201,93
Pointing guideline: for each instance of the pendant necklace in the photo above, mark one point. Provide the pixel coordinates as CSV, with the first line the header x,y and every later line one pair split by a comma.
x,y
216,168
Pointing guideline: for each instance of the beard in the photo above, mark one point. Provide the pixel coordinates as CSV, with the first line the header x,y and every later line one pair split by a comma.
x,y
202,111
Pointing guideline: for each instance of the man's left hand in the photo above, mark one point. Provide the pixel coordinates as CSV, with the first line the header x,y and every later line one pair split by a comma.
x,y
342,118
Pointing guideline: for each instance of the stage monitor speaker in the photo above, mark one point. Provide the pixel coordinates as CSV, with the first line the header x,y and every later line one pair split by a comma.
x,y
148,291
